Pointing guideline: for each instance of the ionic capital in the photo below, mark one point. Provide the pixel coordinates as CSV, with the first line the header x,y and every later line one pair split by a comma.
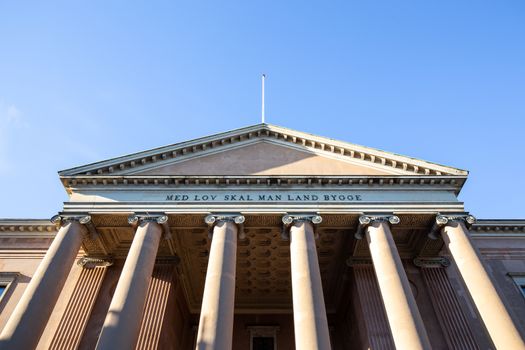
x,y
89,262
443,220
290,219
366,220
358,261
237,219
85,220
161,219
431,262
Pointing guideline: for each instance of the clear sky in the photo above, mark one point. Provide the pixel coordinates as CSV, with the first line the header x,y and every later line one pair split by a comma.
x,y
82,81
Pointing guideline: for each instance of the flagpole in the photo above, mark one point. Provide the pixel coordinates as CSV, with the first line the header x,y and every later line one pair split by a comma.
x,y
262,107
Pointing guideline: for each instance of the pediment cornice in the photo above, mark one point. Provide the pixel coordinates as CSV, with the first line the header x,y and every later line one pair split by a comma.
x,y
450,183
394,163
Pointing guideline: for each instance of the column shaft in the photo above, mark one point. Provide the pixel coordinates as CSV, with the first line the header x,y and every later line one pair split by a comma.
x,y
403,315
379,335
76,316
157,304
122,324
448,309
216,318
310,322
26,324
496,318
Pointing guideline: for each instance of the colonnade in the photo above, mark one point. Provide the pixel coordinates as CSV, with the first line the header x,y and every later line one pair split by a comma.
x,y
122,324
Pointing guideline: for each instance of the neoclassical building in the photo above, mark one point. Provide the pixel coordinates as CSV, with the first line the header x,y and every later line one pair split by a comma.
x,y
262,238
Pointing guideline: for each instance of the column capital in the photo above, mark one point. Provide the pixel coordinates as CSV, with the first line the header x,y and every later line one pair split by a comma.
x,y
213,219
90,262
440,261
84,219
366,220
136,219
289,219
358,261
443,220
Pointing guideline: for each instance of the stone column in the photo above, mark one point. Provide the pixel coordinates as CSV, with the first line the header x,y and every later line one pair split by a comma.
x,y
155,326
78,310
374,314
309,313
497,320
453,321
122,324
216,318
28,320
403,315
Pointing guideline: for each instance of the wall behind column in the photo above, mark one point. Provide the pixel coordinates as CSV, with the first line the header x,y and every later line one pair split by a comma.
x,y
241,336
426,309
467,306
177,330
98,314
60,307
504,257
501,272
25,267
351,332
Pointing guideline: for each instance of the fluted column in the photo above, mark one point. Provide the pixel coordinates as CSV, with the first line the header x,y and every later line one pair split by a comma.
x,y
78,310
122,324
216,317
160,288
30,316
378,330
309,313
497,320
402,312
443,297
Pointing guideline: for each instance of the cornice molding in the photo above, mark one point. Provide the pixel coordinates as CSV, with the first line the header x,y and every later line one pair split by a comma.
x,y
27,226
498,228
371,156
453,183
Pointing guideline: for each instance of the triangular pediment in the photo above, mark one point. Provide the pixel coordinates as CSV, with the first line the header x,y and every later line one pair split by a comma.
x,y
263,150
263,157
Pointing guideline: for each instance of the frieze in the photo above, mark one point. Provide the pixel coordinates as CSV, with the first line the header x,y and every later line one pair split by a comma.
x,y
264,197
288,196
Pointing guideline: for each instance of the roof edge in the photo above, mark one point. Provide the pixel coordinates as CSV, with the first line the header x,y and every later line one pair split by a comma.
x,y
265,131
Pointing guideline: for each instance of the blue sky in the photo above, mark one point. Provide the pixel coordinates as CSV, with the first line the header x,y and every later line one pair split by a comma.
x,y
82,81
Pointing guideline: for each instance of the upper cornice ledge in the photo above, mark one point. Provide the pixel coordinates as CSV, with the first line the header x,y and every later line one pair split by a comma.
x,y
132,162
454,183
37,226
499,227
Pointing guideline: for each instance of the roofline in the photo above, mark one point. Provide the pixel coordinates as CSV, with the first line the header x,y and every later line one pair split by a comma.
x,y
288,135
159,149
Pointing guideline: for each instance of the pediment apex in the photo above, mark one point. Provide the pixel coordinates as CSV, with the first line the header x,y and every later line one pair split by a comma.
x,y
386,162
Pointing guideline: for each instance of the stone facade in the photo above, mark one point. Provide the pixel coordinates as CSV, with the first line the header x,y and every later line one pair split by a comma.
x,y
262,238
